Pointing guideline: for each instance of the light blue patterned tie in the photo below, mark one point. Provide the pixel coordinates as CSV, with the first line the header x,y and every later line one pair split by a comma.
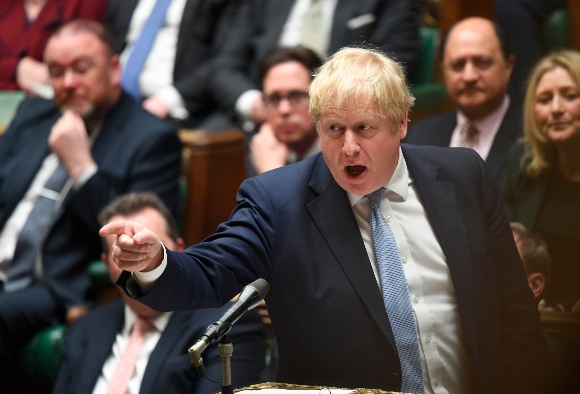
x,y
141,48
396,297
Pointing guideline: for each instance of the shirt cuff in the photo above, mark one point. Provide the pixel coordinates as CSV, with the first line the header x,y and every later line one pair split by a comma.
x,y
174,102
148,280
84,177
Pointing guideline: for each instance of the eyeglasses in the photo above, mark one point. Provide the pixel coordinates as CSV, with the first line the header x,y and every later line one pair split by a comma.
x,y
296,98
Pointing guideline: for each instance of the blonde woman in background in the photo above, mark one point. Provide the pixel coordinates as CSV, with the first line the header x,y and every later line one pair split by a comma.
x,y
542,189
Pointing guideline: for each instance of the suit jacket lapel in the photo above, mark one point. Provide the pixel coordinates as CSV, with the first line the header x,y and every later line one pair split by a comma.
x,y
100,341
162,351
333,215
509,129
442,206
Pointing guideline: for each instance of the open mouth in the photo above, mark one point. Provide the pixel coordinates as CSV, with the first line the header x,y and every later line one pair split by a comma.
x,y
355,170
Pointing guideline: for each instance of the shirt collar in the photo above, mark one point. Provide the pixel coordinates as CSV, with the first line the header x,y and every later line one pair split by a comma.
x,y
398,183
160,322
490,123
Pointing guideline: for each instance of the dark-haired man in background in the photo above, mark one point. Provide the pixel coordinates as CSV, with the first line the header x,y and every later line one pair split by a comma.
x,y
289,132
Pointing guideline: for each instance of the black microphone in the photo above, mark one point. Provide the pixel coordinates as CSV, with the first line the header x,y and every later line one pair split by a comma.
x,y
250,297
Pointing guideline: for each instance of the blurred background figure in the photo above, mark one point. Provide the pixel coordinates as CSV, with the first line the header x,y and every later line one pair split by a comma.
x,y
325,26
61,162
542,188
289,132
24,28
523,23
95,345
534,254
476,64
166,49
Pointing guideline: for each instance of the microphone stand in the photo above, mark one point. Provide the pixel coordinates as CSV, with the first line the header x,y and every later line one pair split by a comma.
x,y
225,349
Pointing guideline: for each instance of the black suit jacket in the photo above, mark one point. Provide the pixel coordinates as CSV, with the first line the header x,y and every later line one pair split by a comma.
x,y
197,44
393,28
294,226
89,341
437,130
134,151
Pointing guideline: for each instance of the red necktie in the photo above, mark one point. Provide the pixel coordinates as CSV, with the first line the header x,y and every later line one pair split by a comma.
x,y
126,366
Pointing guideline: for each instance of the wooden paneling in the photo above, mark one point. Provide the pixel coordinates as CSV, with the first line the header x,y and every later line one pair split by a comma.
x,y
216,168
453,10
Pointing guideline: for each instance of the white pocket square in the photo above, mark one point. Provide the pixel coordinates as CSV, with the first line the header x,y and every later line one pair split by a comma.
x,y
360,21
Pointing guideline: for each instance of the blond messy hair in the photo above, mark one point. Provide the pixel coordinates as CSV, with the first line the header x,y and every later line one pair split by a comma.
x,y
540,152
360,78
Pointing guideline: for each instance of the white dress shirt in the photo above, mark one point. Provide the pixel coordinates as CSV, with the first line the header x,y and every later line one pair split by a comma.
x,y
121,341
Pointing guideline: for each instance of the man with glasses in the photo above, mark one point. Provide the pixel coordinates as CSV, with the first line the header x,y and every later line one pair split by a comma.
x,y
289,133
61,162
476,65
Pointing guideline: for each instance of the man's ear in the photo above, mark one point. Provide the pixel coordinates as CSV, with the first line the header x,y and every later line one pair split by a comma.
x,y
403,124
537,281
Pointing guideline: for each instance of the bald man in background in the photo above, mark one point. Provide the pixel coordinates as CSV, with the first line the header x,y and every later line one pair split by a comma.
x,y
477,65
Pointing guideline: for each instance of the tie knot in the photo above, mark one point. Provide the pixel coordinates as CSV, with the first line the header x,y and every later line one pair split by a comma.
x,y
142,325
469,134
375,197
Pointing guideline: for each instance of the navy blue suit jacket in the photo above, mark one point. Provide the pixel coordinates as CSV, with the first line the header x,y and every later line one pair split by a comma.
x,y
89,341
134,152
437,130
295,227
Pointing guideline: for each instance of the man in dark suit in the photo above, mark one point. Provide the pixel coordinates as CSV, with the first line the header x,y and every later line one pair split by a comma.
x,y
310,229
262,25
99,144
476,66
288,134
174,79
94,344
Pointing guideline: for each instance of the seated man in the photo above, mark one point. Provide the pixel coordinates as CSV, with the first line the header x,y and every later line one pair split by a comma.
x,y
171,77
324,26
96,343
289,132
61,162
476,66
